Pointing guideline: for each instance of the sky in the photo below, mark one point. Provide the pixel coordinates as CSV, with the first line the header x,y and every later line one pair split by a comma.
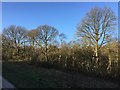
x,y
0,17
64,16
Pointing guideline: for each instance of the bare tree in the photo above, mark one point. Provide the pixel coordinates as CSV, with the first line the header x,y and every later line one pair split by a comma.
x,y
32,37
62,37
46,34
15,35
96,26
112,51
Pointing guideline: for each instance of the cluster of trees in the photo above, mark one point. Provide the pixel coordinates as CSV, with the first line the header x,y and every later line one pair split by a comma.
x,y
97,52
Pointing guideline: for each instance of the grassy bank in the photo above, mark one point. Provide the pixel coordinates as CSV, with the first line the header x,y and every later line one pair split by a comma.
x,y
23,75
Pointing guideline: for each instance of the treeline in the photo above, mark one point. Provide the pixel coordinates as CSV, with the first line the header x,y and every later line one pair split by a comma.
x,y
18,45
41,47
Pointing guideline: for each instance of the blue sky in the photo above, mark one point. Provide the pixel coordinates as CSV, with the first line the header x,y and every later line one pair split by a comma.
x,y
64,16
0,17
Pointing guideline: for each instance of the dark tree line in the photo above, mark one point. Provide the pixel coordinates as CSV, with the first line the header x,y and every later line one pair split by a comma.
x,y
97,52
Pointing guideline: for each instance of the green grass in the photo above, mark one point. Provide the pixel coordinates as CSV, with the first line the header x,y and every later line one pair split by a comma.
x,y
26,76
23,75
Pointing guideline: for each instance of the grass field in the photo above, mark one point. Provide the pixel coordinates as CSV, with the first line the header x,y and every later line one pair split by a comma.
x,y
23,75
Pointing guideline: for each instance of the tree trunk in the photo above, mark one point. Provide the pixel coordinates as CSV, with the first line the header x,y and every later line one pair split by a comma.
x,y
18,49
60,58
96,53
46,52
60,52
73,62
33,43
109,62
